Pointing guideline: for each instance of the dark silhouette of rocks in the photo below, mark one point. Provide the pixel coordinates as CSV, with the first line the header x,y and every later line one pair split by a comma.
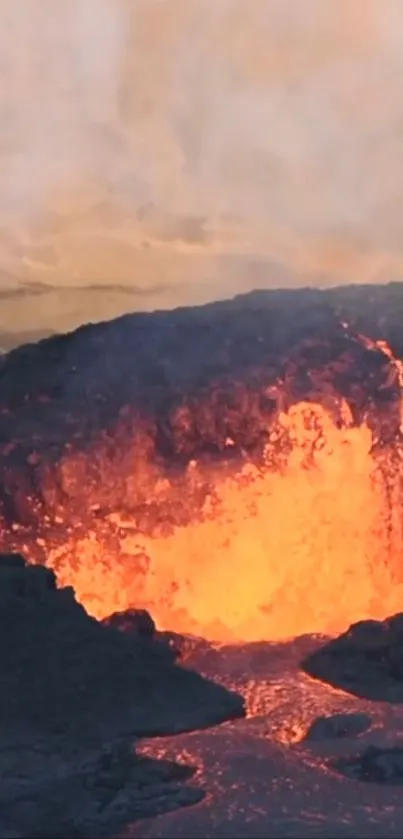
x,y
98,799
75,696
366,661
137,622
66,674
338,726
373,765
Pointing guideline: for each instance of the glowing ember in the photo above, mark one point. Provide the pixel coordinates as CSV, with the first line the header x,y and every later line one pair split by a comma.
x,y
305,538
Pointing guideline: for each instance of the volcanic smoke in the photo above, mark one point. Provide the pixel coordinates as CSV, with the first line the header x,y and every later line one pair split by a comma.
x,y
293,527
189,150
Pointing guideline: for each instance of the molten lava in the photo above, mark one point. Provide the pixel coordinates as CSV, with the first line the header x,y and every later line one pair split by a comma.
x,y
275,554
306,537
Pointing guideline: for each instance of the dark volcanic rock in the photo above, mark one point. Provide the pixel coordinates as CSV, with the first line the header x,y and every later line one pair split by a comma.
x,y
101,799
139,623
136,622
75,696
366,661
337,726
379,766
65,674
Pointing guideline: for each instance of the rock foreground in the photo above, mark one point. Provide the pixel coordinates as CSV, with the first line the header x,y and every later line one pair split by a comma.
x,y
75,695
366,661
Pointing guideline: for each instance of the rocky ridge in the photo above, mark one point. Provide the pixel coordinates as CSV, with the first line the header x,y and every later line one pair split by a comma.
x,y
76,695
366,660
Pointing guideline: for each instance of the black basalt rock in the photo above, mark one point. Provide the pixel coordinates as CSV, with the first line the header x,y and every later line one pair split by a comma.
x,y
366,661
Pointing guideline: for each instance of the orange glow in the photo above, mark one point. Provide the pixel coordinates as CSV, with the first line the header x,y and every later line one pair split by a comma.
x,y
308,539
304,550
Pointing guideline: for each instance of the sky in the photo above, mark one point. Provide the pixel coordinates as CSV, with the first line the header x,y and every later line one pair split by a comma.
x,y
165,152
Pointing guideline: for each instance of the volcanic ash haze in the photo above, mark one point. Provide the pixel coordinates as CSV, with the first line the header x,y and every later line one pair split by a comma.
x,y
189,149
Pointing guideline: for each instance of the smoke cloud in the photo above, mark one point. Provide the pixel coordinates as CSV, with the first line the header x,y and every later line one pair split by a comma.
x,y
185,150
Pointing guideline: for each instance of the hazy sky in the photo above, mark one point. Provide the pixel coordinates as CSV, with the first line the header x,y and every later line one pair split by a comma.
x,y
190,149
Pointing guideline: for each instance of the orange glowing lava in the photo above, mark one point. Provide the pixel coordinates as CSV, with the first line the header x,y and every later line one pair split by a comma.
x,y
308,545
306,549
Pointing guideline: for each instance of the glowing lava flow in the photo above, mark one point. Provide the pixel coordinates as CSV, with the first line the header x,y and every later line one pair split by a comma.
x,y
305,548
304,536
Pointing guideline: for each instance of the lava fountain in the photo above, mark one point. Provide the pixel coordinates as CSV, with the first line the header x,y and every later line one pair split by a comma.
x,y
303,537
274,553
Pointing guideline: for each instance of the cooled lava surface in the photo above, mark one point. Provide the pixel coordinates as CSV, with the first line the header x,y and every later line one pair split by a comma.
x,y
309,760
